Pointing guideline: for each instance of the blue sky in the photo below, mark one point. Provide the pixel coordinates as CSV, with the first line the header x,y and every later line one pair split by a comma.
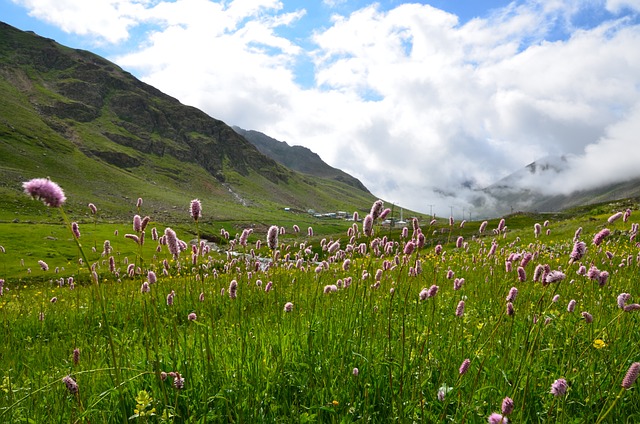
x,y
424,102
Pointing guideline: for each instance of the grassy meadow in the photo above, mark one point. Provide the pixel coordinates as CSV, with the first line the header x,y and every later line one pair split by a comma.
x,y
440,322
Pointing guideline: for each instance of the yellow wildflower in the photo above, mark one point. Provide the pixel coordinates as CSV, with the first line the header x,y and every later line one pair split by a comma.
x,y
599,343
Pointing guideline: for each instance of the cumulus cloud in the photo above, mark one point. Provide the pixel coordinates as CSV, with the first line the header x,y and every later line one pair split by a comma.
x,y
424,108
108,20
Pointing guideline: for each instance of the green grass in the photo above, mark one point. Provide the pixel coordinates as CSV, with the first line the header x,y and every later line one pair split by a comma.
x,y
245,359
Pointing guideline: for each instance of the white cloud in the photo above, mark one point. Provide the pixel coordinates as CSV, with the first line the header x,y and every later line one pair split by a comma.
x,y
106,19
616,6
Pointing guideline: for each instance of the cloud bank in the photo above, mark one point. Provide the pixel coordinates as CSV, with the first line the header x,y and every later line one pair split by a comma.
x,y
422,107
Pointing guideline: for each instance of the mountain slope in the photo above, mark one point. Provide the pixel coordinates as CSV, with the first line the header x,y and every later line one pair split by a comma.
x,y
107,137
297,158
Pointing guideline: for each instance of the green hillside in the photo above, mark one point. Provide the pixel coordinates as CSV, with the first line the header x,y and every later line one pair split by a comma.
x,y
109,138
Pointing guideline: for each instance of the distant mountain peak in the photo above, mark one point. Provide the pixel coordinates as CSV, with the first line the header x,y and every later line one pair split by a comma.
x,y
298,158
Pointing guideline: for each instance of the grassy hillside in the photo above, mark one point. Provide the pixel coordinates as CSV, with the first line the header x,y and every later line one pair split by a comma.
x,y
108,138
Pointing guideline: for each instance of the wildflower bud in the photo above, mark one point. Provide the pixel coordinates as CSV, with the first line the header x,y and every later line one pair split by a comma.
x,y
599,238
75,230
288,307
178,381
423,294
464,367
43,265
367,226
195,209
559,387
376,209
71,384
233,289
507,406
272,237
631,376
510,310
613,218
496,418
513,293
623,298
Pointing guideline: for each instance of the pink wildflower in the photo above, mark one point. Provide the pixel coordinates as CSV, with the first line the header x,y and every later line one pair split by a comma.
x,y
513,293
613,218
579,249
195,209
496,418
71,384
46,190
510,309
507,406
423,294
409,247
631,376
272,237
233,289
555,276
172,241
623,298
376,209
559,387
75,230
602,278
367,226
464,367
433,290
598,238
483,226
137,223
537,229
43,265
